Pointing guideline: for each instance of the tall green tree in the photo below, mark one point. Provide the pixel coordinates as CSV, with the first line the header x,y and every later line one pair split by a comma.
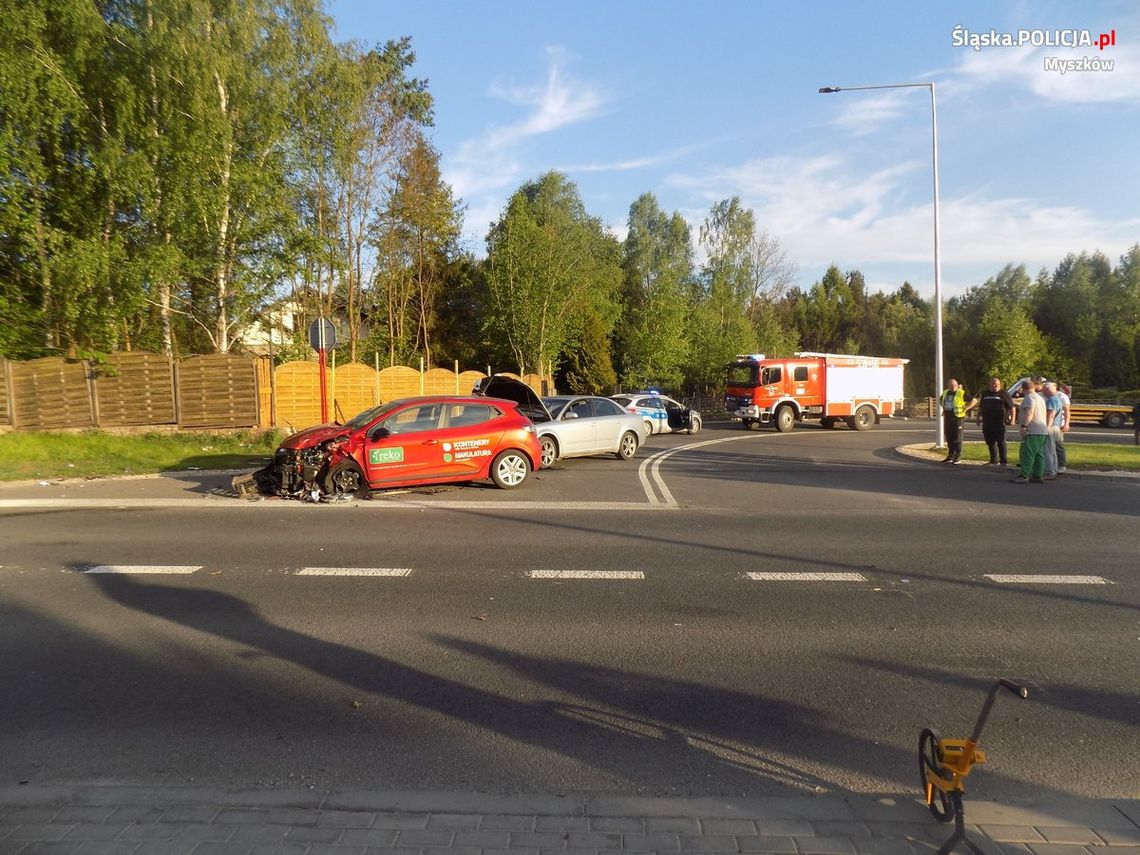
x,y
418,235
1012,346
62,107
657,272
550,265
743,275
828,315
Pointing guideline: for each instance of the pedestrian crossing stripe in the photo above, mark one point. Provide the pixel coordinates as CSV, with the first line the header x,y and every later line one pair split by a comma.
x,y
586,574
1044,579
143,569
806,577
354,571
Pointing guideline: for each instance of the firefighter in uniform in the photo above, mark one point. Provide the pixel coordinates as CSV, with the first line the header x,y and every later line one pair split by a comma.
x,y
952,403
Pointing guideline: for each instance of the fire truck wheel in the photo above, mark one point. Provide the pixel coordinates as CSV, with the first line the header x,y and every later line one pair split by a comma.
x,y
785,419
828,422
864,418
1114,420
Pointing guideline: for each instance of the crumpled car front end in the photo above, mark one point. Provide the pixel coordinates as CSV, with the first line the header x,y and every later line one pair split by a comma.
x,y
300,467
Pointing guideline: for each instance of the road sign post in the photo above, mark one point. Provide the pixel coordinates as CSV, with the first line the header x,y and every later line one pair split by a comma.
x,y
322,337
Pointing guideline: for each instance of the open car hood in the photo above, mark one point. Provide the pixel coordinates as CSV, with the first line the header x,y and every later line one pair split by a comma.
x,y
510,389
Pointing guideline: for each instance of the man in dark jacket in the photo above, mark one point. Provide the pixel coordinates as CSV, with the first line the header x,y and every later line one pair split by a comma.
x,y
995,411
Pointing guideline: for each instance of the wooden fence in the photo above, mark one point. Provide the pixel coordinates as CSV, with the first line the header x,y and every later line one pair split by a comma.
x,y
138,389
353,387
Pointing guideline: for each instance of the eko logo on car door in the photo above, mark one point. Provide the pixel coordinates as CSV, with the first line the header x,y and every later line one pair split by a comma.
x,y
410,450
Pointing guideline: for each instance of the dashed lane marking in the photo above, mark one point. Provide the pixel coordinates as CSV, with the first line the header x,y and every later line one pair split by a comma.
x,y
586,574
807,577
141,569
355,571
1044,579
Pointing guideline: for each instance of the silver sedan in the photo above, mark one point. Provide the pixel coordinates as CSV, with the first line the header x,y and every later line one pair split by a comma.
x,y
581,425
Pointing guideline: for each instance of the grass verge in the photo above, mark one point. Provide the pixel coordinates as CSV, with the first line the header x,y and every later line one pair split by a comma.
x,y
96,454
1082,455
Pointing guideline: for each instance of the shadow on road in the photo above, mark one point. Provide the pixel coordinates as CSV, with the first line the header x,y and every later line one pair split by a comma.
x,y
632,727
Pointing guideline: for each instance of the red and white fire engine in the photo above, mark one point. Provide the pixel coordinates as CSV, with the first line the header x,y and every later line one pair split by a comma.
x,y
831,387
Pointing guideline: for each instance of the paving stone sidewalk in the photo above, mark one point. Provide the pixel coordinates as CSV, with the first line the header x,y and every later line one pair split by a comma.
x,y
204,821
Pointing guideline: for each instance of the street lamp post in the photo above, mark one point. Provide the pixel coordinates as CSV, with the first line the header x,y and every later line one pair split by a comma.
x,y
827,90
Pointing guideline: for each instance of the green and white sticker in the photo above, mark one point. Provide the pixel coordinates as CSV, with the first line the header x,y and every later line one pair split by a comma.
x,y
386,455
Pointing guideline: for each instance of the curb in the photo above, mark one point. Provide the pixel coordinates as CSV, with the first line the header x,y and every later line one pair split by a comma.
x,y
1113,814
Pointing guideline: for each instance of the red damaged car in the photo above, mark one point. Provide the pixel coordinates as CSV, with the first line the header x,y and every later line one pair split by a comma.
x,y
413,441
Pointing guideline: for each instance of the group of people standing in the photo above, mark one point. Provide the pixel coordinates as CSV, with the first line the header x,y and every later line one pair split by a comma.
x,y
1042,418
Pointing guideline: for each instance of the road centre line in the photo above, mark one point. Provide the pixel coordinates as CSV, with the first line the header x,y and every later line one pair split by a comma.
x,y
354,571
145,569
1044,579
586,574
806,577
650,469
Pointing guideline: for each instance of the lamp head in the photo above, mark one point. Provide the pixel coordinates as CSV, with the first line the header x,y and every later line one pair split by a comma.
x,y
827,90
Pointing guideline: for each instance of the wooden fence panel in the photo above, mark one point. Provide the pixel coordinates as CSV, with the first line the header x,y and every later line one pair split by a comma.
x,y
51,393
298,394
354,388
467,381
217,391
535,381
138,390
5,399
265,415
439,381
399,381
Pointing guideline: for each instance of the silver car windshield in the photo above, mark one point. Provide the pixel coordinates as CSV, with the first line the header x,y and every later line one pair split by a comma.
x,y
556,406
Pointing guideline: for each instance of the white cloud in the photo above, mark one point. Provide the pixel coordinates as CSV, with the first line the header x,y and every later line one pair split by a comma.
x,y
862,114
491,160
824,212
1026,68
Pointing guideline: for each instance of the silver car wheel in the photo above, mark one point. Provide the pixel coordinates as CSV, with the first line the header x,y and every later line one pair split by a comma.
x,y
628,446
549,452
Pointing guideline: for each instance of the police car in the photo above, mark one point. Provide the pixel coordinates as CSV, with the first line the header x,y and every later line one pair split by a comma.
x,y
661,413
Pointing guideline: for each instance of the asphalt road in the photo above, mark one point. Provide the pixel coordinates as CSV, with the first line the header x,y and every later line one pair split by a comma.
x,y
468,674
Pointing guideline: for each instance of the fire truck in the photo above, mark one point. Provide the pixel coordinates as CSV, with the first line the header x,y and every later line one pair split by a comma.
x,y
831,387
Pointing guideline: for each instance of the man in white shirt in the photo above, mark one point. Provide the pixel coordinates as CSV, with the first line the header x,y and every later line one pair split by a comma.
x,y
1034,430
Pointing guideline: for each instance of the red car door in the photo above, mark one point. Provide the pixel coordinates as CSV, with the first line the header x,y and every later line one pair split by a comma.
x,y
407,447
469,438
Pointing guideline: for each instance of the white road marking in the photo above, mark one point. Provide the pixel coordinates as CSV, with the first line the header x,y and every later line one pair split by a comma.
x,y
231,503
586,574
807,577
140,569
354,571
1044,579
650,469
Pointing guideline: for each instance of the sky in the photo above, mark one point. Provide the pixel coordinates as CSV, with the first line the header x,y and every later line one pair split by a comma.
x,y
1038,143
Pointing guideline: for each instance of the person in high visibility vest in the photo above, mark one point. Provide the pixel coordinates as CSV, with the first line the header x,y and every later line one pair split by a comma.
x,y
954,405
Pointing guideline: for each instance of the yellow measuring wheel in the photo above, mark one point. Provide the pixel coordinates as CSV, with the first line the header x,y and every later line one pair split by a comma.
x,y
944,764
